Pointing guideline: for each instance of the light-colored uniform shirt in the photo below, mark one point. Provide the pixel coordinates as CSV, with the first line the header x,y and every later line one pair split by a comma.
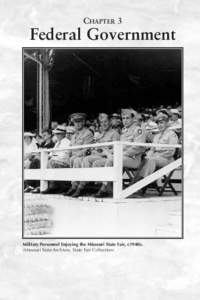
x,y
134,133
177,123
30,148
166,137
61,155
81,137
109,135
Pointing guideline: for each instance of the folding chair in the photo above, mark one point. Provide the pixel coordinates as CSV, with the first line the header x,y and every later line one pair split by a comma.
x,y
167,180
130,172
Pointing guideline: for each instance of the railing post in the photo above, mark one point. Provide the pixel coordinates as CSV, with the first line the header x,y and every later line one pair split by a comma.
x,y
43,162
118,164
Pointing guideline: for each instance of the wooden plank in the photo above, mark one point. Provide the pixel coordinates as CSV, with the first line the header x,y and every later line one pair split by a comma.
x,y
72,174
117,162
153,177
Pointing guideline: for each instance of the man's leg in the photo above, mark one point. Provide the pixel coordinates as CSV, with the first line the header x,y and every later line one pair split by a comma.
x,y
132,163
151,164
71,161
28,184
89,160
35,164
99,163
106,187
74,162
55,185
128,162
85,162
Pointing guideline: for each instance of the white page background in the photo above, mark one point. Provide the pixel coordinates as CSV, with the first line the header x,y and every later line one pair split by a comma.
x,y
161,269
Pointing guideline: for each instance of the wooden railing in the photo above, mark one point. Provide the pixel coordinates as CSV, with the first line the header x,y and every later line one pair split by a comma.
x,y
114,173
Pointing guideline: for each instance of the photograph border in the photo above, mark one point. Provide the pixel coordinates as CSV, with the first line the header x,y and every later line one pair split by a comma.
x,y
182,105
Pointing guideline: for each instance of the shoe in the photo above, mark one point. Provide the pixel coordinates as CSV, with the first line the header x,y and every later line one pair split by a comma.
x,y
36,190
136,179
69,192
28,189
138,194
102,193
49,191
77,193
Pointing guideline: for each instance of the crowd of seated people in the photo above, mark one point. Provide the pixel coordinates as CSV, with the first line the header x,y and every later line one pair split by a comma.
x,y
159,125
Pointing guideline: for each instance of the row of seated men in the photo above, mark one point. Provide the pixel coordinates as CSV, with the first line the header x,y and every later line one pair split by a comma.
x,y
135,157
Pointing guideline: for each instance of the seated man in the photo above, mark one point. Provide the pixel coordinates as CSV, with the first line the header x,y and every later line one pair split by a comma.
x,y
158,157
29,148
58,159
70,130
175,118
35,164
107,134
82,136
47,143
116,122
131,154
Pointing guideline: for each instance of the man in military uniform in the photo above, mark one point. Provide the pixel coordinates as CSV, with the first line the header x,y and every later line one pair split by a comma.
x,y
82,136
175,118
107,134
58,159
116,122
131,154
158,157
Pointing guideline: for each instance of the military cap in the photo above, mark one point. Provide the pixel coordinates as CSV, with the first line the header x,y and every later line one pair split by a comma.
x,y
163,111
78,116
29,134
128,111
175,112
117,116
59,129
176,127
70,129
103,116
139,117
161,116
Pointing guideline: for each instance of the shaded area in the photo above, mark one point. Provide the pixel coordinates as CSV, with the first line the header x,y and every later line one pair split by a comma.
x,y
95,80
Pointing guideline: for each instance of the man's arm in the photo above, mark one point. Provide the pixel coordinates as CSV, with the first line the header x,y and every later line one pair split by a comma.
x,y
134,150
169,152
87,139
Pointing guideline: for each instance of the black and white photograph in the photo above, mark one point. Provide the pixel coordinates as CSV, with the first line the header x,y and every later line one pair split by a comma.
x,y
102,142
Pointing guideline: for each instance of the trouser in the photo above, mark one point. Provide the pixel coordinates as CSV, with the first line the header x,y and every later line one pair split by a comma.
x,y
54,163
152,163
33,163
84,162
128,162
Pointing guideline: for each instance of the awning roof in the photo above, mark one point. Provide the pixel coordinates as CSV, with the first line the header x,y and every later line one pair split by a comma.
x,y
94,80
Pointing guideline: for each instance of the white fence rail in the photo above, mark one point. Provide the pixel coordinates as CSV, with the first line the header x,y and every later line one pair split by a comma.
x,y
114,173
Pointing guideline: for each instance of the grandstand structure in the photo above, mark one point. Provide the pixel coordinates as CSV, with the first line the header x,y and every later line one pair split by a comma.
x,y
44,60
59,81
113,174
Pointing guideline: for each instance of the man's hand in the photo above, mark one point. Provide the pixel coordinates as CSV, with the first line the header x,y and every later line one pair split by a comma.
x,y
107,153
149,154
